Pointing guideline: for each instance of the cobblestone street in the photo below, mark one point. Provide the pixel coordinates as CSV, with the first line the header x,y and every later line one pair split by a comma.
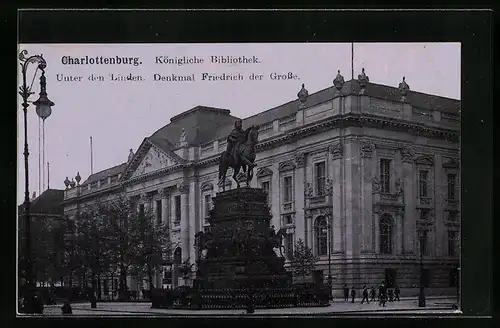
x,y
434,305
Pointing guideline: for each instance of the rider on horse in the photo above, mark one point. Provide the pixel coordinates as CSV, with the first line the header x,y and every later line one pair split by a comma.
x,y
234,140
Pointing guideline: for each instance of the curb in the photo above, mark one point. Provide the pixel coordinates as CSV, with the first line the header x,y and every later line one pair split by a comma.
x,y
196,313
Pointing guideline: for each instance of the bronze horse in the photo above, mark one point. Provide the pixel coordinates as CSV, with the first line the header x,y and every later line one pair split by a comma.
x,y
277,241
245,149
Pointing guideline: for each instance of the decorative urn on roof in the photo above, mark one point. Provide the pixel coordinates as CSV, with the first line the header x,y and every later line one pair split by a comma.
x,y
302,95
363,81
66,183
130,155
403,90
72,183
338,82
78,178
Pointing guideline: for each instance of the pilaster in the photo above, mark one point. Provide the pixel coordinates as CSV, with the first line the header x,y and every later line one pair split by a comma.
x,y
367,174
410,217
353,192
440,196
336,154
299,187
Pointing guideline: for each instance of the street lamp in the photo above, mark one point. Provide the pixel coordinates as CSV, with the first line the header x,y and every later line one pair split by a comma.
x,y
421,295
43,106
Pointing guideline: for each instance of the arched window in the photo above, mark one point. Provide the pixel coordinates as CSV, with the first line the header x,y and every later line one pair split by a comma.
x,y
386,234
177,255
321,236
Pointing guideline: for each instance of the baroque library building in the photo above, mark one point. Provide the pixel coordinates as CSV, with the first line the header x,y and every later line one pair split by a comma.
x,y
367,175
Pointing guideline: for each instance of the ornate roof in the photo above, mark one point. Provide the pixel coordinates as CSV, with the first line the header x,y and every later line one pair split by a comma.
x,y
204,124
112,171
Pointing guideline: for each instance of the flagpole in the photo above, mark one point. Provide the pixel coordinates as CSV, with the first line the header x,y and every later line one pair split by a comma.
x,y
352,60
91,158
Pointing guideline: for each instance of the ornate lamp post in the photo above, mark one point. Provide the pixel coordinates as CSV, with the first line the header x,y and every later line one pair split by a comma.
x,y
421,295
43,106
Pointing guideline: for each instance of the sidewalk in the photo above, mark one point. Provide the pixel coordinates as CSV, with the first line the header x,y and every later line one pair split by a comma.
x,y
338,306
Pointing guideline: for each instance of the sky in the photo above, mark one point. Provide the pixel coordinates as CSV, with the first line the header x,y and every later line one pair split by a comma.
x,y
120,114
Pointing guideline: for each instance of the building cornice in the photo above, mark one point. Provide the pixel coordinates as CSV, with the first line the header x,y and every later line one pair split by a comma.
x,y
339,121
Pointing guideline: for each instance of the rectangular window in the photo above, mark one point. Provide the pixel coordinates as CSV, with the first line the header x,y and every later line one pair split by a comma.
x,y
288,219
208,204
320,177
141,210
423,243
385,175
289,245
177,200
422,182
390,277
159,212
206,229
451,186
266,187
287,190
452,235
424,214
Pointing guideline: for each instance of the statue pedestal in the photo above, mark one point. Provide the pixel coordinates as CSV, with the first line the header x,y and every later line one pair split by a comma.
x,y
239,254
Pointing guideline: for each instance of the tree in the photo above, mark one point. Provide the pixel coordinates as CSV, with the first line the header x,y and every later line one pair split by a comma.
x,y
302,259
150,245
117,214
92,250
47,246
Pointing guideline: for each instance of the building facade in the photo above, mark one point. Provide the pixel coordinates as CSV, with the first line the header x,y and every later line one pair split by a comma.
x,y
367,175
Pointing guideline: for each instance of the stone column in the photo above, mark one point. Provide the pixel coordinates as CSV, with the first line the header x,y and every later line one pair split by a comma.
x,y
440,195
376,230
299,187
184,190
399,233
275,198
410,217
367,174
165,217
337,182
194,214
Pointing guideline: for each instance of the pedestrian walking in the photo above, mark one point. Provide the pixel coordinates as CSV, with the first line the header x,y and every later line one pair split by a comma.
x,y
382,295
390,294
346,293
373,293
396,293
353,294
365,295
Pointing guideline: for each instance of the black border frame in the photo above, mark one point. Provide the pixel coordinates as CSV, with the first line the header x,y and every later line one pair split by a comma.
x,y
472,28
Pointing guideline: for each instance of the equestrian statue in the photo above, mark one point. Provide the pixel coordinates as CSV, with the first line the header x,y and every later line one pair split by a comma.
x,y
239,154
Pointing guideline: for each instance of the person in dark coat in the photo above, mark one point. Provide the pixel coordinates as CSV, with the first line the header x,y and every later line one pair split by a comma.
x,y
373,295
346,293
353,294
390,294
365,295
382,295
396,293
66,308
